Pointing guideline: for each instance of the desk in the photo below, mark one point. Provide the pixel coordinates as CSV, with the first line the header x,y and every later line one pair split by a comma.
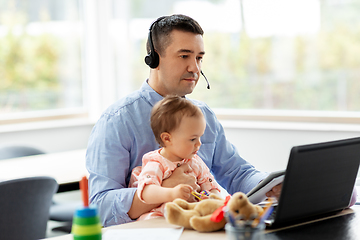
x,y
346,226
66,167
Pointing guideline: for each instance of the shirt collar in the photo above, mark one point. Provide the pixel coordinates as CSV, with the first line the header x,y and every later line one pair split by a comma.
x,y
149,94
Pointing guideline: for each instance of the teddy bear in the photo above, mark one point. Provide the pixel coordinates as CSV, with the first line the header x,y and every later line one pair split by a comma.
x,y
208,215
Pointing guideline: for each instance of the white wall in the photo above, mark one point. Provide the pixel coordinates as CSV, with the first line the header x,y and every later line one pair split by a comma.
x,y
47,137
265,145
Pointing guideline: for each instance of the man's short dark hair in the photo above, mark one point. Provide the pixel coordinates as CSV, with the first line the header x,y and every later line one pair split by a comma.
x,y
161,30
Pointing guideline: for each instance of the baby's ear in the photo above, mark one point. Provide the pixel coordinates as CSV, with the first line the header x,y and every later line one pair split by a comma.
x,y
166,138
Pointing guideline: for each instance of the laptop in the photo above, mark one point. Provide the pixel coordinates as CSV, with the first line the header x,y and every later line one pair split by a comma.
x,y
318,182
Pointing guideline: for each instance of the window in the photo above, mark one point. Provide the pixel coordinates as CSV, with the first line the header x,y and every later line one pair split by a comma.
x,y
280,56
269,58
286,55
40,56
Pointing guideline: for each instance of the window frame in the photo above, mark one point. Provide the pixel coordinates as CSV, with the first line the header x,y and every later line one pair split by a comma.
x,y
288,116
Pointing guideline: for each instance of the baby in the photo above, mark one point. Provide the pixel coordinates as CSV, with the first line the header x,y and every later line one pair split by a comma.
x,y
177,125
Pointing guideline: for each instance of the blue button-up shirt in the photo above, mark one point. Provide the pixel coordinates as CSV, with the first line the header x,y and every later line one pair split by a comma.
x,y
123,135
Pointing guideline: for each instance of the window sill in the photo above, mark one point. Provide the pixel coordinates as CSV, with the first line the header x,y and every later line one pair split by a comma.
x,y
289,116
289,120
49,124
241,119
15,122
294,126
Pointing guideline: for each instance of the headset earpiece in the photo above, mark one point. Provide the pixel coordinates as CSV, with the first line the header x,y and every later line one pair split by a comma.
x,y
152,59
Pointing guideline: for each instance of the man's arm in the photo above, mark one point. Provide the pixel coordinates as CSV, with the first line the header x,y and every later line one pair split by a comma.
x,y
138,207
108,162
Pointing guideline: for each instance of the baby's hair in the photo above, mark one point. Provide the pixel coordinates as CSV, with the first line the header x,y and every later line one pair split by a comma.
x,y
167,114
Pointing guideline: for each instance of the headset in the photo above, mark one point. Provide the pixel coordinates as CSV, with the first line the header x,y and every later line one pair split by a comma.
x,y
153,59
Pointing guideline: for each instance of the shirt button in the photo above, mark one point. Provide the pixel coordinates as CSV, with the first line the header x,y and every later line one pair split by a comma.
x,y
178,165
210,180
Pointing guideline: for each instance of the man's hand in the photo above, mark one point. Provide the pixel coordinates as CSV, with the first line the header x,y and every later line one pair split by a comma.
x,y
275,191
182,175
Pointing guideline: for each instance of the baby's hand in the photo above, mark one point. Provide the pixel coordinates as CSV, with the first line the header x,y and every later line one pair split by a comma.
x,y
182,191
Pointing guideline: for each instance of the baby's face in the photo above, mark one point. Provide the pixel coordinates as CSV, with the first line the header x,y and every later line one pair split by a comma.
x,y
185,140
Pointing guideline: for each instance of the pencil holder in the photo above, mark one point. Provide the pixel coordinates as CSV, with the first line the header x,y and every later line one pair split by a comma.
x,y
245,232
86,224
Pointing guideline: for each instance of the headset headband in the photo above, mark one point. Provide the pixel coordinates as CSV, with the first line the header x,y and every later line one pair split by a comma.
x,y
152,59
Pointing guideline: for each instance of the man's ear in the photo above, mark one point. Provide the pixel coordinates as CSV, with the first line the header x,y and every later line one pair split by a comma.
x,y
166,138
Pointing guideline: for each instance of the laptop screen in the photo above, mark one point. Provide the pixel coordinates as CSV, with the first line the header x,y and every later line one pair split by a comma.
x,y
319,179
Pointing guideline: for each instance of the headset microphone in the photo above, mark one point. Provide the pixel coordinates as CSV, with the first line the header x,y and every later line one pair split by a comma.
x,y
208,84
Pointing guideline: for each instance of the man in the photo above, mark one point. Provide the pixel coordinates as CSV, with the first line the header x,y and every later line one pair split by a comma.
x,y
123,135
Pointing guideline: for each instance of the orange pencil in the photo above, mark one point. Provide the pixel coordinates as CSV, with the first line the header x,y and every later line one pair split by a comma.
x,y
84,191
266,209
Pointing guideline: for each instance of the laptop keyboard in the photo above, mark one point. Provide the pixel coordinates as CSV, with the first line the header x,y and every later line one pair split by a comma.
x,y
271,218
272,215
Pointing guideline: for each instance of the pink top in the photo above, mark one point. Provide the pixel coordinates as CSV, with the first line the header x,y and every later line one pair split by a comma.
x,y
155,168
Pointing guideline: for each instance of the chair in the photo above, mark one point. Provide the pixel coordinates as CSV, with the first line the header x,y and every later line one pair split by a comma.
x,y
63,212
15,151
59,212
24,207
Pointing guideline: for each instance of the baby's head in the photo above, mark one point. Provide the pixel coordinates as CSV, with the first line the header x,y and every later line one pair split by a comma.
x,y
167,114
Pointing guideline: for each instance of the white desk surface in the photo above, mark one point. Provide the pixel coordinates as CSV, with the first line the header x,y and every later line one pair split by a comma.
x,y
65,167
159,223
192,234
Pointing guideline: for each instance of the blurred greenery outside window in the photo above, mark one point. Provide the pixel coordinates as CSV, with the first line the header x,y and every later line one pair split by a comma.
x,y
40,56
261,55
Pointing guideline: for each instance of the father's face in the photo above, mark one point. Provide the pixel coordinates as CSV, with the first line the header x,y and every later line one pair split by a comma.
x,y
180,66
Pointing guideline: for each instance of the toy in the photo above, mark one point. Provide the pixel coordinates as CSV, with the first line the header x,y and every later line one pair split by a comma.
x,y
201,196
208,215
86,221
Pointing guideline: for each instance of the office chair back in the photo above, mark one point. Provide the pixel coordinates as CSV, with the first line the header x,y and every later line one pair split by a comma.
x,y
18,151
24,207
